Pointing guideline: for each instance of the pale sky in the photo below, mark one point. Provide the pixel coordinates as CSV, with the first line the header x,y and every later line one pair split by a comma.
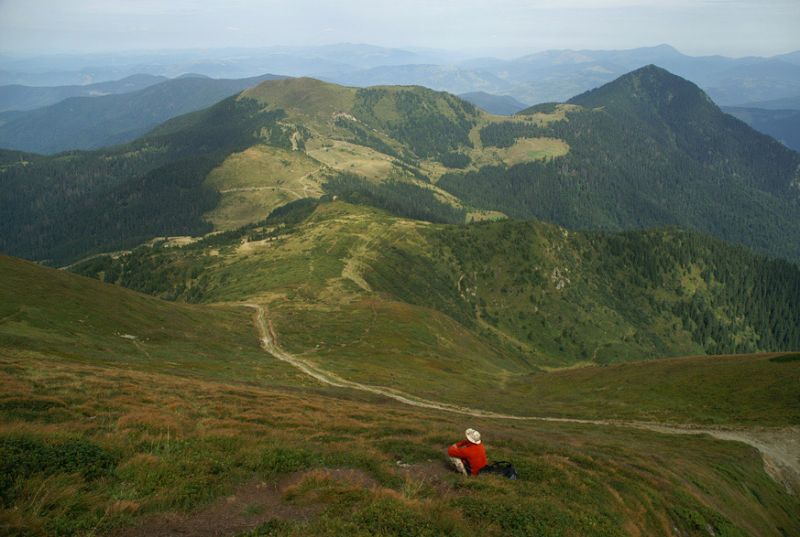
x,y
481,27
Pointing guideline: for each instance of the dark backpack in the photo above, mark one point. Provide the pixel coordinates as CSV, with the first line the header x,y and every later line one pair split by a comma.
x,y
503,468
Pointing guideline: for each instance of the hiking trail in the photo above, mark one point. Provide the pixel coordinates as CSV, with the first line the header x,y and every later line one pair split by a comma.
x,y
779,448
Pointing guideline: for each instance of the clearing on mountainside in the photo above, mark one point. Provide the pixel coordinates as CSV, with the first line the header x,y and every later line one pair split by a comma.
x,y
259,179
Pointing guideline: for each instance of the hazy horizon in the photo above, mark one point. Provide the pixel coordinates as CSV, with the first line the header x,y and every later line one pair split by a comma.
x,y
502,53
733,28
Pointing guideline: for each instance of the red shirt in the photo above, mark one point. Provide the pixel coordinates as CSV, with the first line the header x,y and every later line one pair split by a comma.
x,y
475,454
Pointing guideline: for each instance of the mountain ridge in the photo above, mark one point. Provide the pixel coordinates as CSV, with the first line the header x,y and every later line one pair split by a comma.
x,y
432,155
19,97
93,122
503,105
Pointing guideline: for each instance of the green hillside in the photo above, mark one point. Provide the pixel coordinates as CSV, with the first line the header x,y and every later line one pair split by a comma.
x,y
121,413
119,197
46,314
647,149
416,306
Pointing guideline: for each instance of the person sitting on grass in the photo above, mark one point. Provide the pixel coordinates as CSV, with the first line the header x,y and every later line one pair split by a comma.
x,y
468,456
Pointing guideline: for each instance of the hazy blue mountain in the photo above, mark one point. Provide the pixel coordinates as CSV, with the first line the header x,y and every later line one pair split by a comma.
x,y
787,103
364,56
747,82
791,57
92,122
219,63
783,125
9,115
503,105
439,77
18,97
553,75
556,75
726,80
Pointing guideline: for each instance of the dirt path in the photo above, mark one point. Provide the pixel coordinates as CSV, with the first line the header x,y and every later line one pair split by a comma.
x,y
779,448
260,188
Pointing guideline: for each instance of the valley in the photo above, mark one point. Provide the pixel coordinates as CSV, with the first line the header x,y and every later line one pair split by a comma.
x,y
274,314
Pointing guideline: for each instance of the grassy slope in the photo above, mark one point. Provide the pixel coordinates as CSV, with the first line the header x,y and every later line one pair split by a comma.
x,y
752,389
88,446
47,314
259,179
384,301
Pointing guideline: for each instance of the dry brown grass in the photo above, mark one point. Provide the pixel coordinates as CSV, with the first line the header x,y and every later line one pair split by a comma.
x,y
183,442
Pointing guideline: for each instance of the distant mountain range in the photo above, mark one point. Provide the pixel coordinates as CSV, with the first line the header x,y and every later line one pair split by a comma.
x,y
92,122
787,103
553,75
498,86
76,69
649,149
17,97
502,105
558,74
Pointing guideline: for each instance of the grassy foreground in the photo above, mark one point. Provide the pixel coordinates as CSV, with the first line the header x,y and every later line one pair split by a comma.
x,y
99,437
87,449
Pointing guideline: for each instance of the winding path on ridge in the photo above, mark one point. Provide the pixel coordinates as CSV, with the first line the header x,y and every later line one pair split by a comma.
x,y
779,448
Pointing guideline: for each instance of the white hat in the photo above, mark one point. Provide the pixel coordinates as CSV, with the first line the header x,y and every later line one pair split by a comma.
x,y
473,436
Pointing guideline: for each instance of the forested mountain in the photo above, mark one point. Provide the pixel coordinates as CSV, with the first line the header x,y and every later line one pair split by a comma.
x,y
75,203
783,125
62,207
92,122
19,97
647,149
